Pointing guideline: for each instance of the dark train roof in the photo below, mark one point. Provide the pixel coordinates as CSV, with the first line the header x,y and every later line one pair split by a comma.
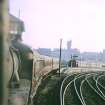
x,y
21,47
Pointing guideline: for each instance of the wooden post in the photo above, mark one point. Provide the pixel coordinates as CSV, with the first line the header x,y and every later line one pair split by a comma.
x,y
52,63
4,49
60,56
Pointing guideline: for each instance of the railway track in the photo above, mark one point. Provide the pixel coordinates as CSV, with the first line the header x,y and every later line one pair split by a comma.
x,y
83,89
86,88
70,96
77,84
64,84
100,83
92,83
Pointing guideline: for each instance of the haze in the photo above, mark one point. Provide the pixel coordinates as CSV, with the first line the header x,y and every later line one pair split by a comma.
x,y
46,21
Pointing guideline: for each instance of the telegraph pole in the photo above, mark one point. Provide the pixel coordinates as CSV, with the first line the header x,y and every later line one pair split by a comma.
x,y
60,55
4,49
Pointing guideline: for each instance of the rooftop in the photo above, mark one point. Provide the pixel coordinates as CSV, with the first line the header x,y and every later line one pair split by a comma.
x,y
16,25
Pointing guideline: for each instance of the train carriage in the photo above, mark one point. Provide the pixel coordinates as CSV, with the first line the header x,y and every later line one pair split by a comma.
x,y
29,68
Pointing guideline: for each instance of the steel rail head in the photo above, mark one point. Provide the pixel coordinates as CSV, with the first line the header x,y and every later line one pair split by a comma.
x,y
88,85
96,75
61,89
78,77
100,77
100,89
81,87
94,89
99,84
81,91
66,89
80,95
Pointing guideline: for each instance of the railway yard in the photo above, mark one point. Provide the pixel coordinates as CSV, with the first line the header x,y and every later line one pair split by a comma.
x,y
34,70
75,86
70,85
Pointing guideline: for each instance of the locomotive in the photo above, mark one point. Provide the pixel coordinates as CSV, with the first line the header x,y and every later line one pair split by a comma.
x,y
28,68
24,71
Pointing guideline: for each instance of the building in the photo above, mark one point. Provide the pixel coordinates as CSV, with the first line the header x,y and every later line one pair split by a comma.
x,y
16,27
69,44
66,53
44,51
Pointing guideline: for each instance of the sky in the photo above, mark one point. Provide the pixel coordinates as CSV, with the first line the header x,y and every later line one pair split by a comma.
x,y
46,21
